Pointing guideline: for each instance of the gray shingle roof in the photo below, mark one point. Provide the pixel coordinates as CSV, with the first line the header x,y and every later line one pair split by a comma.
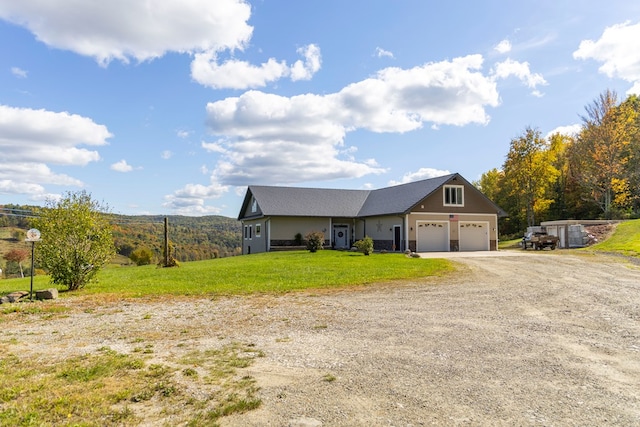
x,y
322,202
319,202
400,198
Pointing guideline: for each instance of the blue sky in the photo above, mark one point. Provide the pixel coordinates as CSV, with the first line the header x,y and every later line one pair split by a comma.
x,y
175,106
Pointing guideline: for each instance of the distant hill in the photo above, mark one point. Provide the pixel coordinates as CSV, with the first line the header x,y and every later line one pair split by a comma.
x,y
191,238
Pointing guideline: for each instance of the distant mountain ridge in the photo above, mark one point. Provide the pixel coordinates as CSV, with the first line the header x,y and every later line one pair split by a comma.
x,y
191,238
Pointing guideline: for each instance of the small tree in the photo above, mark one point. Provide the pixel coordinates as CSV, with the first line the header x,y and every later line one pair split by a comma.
x,y
315,241
365,245
17,256
142,256
76,239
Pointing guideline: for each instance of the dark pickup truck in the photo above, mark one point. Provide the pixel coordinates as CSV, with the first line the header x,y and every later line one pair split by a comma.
x,y
539,241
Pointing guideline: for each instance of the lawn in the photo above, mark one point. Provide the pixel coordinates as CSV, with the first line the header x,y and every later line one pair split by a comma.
x,y
275,272
625,240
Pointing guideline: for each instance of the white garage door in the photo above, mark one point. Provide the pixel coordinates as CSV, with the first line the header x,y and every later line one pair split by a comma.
x,y
433,236
474,236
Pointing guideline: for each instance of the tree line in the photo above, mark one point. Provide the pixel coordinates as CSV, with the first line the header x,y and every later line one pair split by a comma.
x,y
139,237
592,174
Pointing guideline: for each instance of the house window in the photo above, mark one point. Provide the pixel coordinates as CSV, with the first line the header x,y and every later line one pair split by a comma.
x,y
247,231
254,206
258,227
454,195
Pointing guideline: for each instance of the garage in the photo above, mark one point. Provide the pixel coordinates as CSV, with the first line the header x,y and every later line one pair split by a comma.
x,y
433,236
474,236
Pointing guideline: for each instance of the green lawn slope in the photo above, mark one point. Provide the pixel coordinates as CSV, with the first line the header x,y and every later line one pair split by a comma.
x,y
625,240
275,272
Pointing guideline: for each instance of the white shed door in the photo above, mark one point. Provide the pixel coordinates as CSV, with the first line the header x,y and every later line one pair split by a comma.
x,y
474,236
433,236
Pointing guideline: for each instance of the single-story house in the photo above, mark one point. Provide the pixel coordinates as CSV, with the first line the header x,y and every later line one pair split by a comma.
x,y
446,213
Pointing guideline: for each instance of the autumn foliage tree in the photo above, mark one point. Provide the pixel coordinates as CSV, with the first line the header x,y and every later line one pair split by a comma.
x,y
528,174
594,173
18,256
604,158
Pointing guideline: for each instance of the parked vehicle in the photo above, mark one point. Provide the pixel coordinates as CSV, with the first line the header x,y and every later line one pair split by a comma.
x,y
539,240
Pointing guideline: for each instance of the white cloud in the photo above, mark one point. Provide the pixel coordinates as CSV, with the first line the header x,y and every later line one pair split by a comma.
x,y
142,30
422,173
521,70
28,135
30,140
381,53
191,199
399,100
280,140
304,70
29,179
19,72
617,50
503,47
121,166
272,139
214,147
183,134
235,74
166,154
569,130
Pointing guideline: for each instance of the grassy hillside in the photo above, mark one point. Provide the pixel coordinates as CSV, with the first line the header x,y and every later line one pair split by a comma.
x,y
625,240
267,272
192,238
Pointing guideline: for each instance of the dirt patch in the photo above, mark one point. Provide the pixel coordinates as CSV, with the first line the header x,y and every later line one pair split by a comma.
x,y
599,233
546,338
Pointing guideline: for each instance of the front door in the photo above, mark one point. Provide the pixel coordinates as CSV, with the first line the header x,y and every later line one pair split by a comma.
x,y
397,238
341,236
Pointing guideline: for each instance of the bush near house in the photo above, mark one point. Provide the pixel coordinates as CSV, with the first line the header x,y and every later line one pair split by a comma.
x,y
365,245
315,241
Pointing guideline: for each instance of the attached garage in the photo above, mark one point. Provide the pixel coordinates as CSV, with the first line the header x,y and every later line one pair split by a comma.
x,y
433,236
474,236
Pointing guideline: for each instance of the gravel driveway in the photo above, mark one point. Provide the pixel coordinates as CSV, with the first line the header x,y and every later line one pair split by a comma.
x,y
541,338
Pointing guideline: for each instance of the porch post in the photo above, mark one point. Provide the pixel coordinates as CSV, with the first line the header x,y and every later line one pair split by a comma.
x,y
406,232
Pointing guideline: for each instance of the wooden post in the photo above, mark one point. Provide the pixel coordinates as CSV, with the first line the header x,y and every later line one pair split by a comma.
x,y
166,241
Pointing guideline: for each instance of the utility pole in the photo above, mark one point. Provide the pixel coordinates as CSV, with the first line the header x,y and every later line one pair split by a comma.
x,y
166,241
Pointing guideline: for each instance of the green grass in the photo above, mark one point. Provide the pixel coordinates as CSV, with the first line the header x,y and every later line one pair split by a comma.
x,y
510,244
103,388
276,272
625,240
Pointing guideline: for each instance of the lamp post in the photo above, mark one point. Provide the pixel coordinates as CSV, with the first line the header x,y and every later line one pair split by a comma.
x,y
33,236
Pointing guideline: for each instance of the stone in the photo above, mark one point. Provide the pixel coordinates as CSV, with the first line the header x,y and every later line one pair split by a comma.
x,y
51,293
13,297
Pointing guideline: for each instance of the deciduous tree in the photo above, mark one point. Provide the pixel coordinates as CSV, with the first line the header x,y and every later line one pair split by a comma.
x,y
76,239
602,153
17,256
528,174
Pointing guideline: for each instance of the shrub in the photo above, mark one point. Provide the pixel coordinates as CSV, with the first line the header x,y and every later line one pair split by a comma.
x,y
315,241
76,239
142,256
365,245
297,239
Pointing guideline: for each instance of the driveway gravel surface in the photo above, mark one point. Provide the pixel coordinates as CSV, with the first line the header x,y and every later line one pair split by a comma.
x,y
526,338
